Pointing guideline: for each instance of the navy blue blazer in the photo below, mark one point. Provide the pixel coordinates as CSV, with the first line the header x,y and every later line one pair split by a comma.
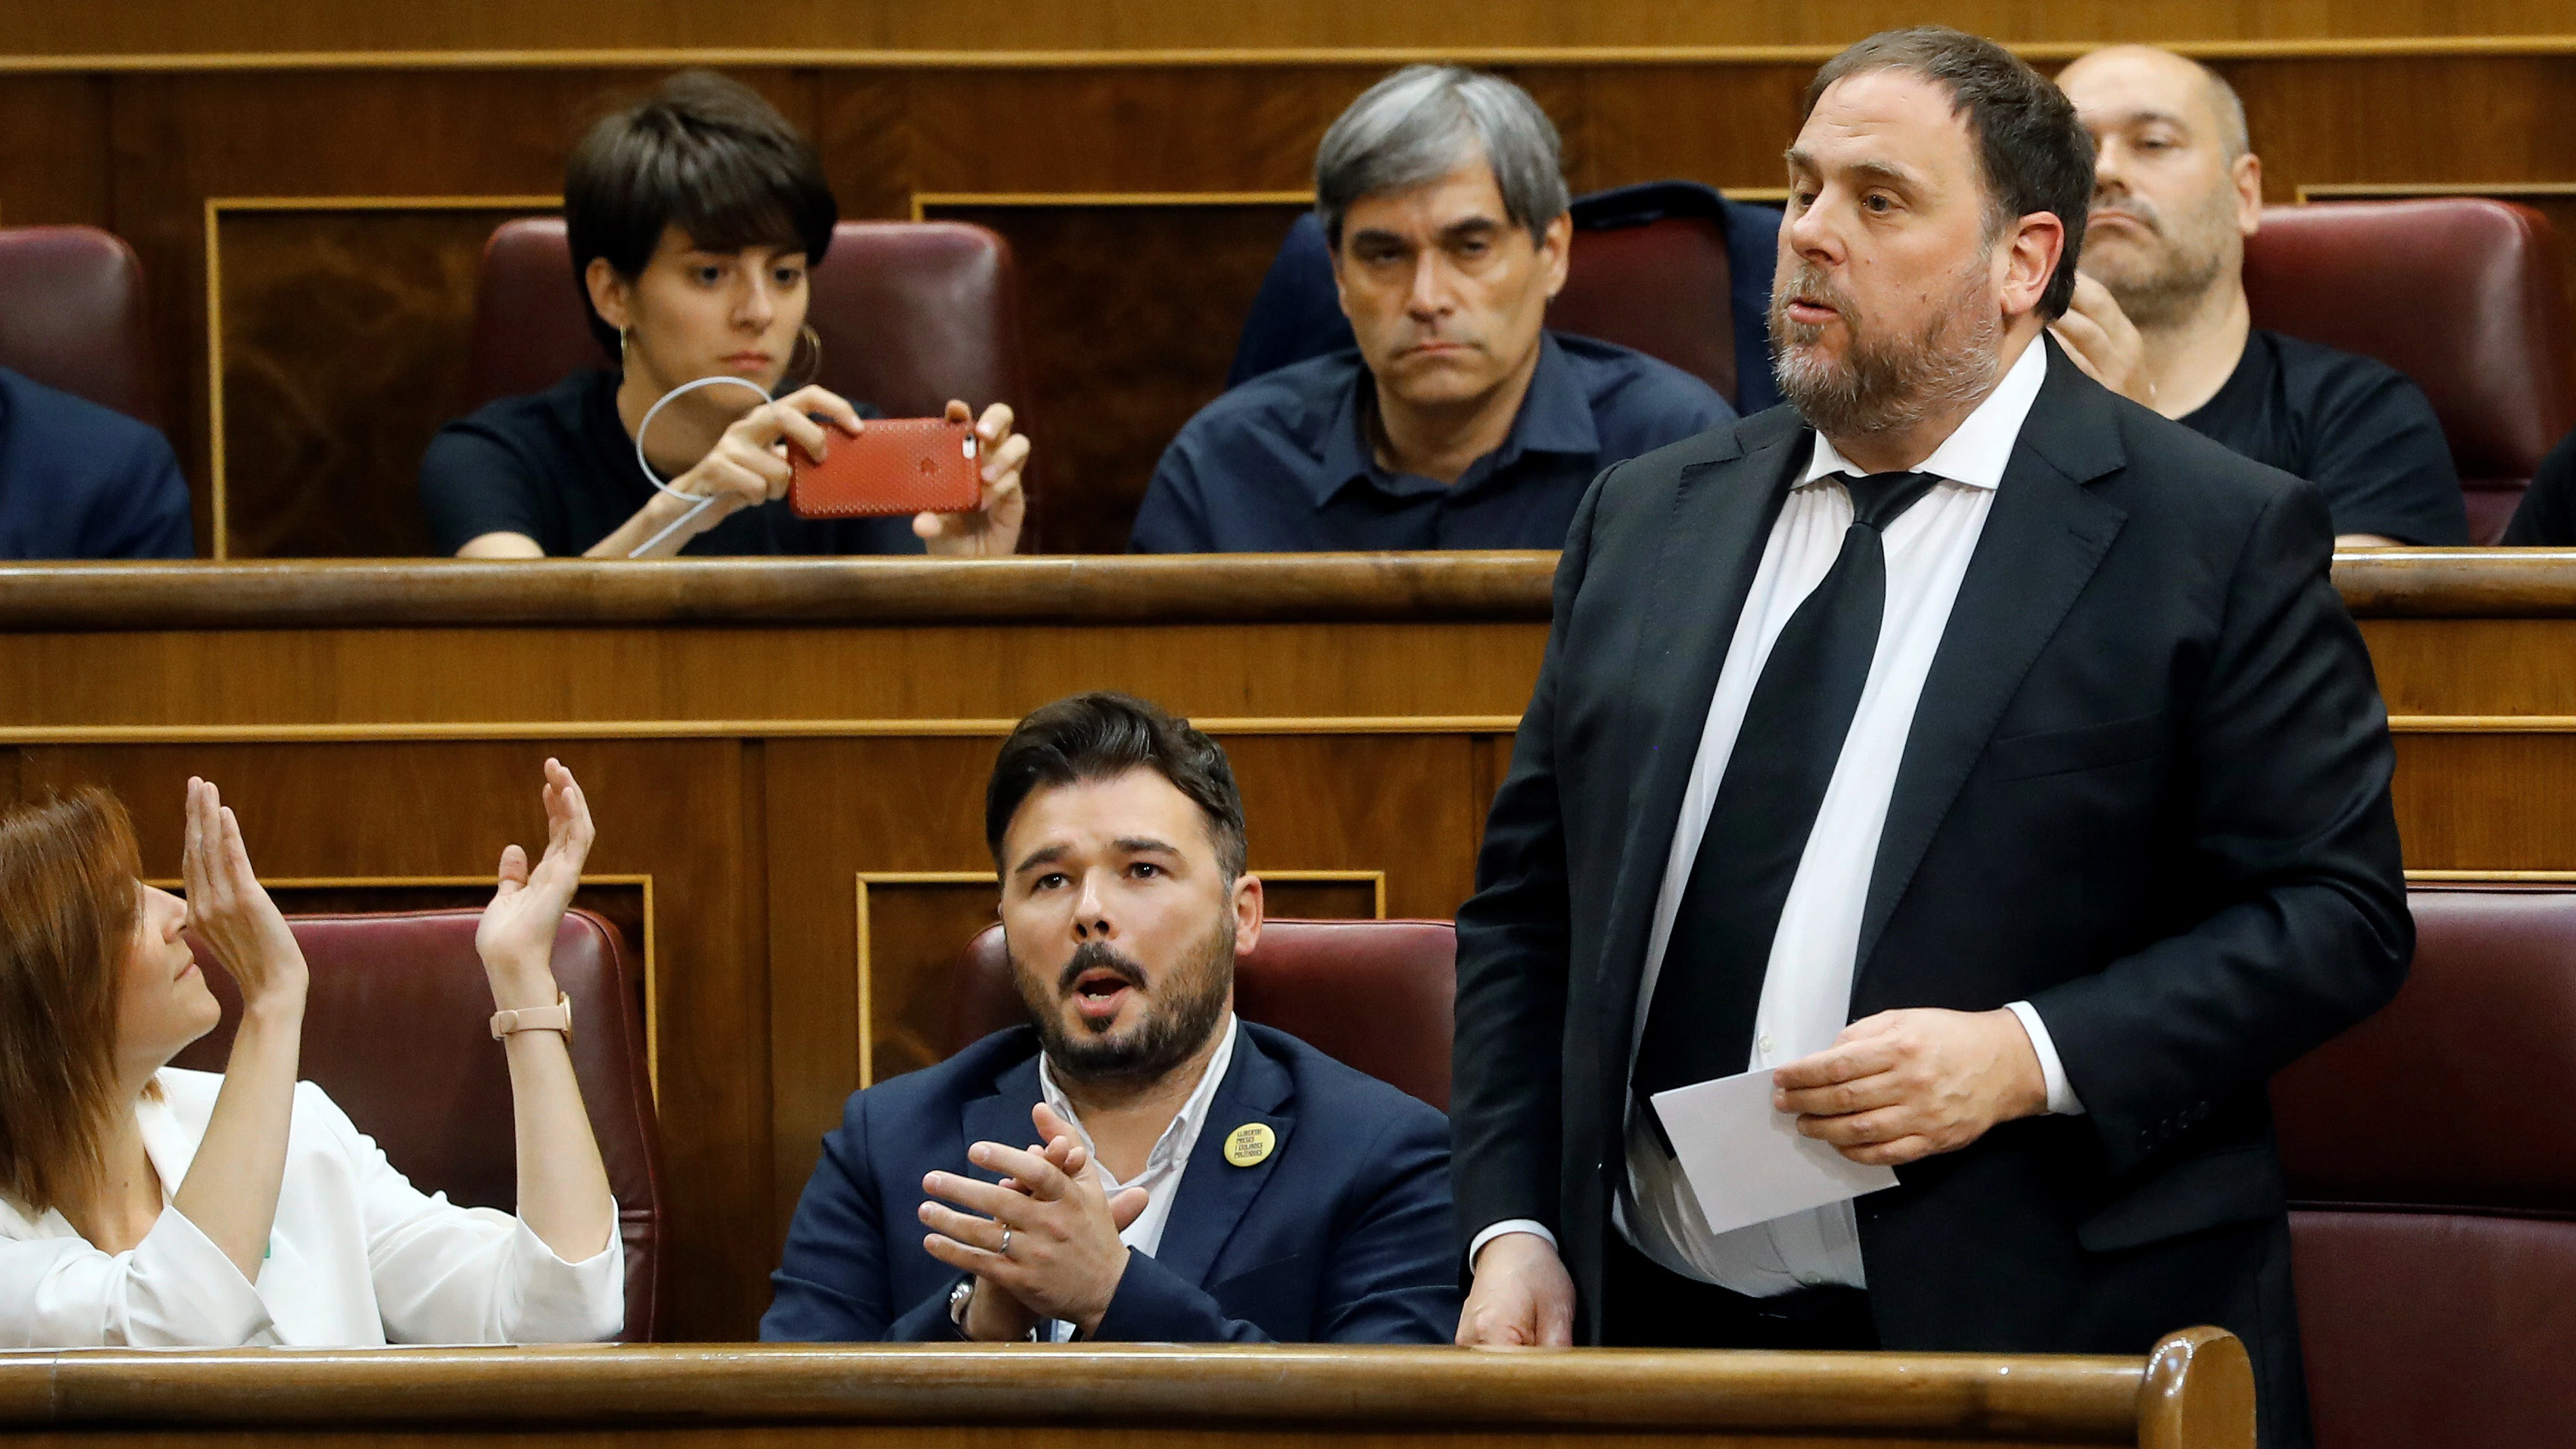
x,y
81,481
1344,1234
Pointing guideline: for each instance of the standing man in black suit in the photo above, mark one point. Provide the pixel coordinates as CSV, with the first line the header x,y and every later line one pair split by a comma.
x,y
1984,755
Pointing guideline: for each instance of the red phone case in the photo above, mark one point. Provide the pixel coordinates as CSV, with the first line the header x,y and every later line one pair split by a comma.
x,y
894,465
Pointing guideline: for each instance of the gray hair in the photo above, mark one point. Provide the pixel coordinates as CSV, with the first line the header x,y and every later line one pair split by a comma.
x,y
2233,139
1426,121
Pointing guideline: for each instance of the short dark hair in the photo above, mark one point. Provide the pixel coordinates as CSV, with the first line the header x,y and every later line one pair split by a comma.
x,y
705,154
2035,155
1102,736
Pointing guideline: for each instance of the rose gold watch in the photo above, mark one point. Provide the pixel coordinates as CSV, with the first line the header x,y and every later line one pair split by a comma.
x,y
557,1017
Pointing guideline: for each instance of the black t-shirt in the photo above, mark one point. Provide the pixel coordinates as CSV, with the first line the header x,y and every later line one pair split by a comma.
x,y
2356,428
559,467
2546,518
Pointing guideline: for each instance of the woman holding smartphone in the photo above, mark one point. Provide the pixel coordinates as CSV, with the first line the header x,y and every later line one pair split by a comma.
x,y
695,220
146,1206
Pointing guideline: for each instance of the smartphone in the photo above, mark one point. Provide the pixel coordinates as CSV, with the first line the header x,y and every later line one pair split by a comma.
x,y
893,466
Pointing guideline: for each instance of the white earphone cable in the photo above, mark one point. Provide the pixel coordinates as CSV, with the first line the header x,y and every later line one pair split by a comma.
x,y
704,501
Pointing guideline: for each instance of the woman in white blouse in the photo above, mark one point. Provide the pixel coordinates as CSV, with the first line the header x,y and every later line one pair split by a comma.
x,y
142,1205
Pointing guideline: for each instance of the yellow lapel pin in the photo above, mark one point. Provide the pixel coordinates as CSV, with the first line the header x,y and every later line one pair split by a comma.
x,y
1248,1144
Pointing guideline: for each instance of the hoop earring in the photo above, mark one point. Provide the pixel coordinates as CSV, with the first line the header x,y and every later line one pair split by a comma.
x,y
809,342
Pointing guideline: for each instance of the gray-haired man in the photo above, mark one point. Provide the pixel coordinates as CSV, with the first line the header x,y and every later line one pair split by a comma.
x,y
1459,421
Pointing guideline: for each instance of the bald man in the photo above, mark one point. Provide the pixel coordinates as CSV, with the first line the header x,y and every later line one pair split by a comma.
x,y
2160,314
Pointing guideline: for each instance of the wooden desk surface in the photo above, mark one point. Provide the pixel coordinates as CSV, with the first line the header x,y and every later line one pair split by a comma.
x,y
2193,1392
787,760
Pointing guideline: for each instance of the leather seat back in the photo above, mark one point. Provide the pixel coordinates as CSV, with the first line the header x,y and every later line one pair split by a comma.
x,y
1374,995
1662,287
2431,1155
2464,295
397,1029
72,317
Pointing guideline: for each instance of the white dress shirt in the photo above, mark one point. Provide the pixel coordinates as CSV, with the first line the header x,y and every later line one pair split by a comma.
x,y
1806,988
357,1257
1164,1166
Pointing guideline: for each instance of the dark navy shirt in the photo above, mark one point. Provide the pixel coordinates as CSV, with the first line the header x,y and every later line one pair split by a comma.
x,y
2547,515
1284,464
2356,428
559,468
81,481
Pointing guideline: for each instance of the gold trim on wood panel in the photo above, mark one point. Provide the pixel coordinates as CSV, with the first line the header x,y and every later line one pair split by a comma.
x,y
923,200
2482,724
385,203
1370,57
462,731
1376,879
215,379
2398,190
652,993
2497,877
867,965
216,206
470,731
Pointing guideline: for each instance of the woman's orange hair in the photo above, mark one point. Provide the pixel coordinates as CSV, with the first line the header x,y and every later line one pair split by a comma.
x,y
69,907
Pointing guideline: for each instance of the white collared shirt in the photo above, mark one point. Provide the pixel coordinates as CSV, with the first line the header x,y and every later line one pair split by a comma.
x,y
357,1257
1165,1165
1806,989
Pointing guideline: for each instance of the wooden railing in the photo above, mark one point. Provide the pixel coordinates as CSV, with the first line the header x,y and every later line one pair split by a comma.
x,y
1112,589
2195,1391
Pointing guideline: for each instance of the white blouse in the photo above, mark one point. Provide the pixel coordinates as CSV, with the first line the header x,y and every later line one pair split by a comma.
x,y
358,1257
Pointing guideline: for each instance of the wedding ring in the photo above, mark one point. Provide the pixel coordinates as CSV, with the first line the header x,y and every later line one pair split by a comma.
x,y
1006,1242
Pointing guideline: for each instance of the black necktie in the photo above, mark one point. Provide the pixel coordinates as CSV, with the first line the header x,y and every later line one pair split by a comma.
x,y
1700,1023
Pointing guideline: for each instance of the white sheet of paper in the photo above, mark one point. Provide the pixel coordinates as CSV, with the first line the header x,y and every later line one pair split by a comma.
x,y
1746,1163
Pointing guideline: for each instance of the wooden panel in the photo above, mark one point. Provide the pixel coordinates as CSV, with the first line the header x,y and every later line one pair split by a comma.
x,y
2486,802
344,343
2406,119
1171,276
63,180
160,27
2475,666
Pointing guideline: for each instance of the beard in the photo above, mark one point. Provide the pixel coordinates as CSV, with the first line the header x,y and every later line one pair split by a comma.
x,y
1885,383
1176,1020
2181,259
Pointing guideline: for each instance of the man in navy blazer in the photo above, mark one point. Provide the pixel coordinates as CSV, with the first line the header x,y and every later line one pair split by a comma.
x,y
1191,1178
81,481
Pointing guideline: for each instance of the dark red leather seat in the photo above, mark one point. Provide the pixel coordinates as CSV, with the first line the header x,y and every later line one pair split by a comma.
x,y
397,1029
1375,995
911,314
1661,287
2431,1154
2464,295
71,317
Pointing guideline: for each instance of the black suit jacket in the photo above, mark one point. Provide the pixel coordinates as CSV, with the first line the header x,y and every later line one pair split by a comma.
x,y
2146,789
